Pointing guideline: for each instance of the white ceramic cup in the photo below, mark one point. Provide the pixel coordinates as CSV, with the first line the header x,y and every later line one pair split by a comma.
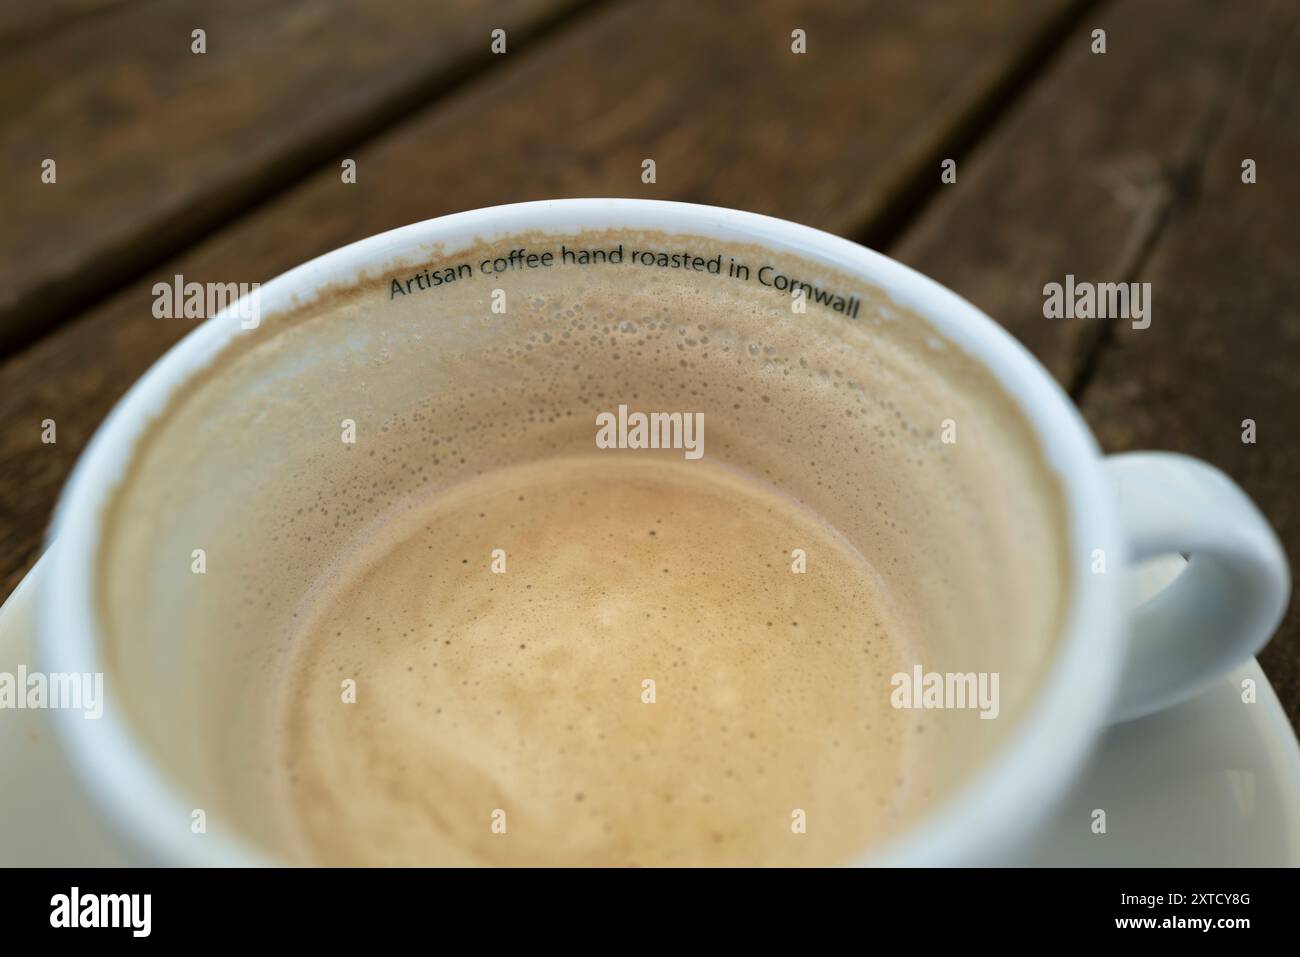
x,y
1111,664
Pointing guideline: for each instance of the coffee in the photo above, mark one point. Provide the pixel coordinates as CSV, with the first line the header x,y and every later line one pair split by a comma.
x,y
450,626
641,679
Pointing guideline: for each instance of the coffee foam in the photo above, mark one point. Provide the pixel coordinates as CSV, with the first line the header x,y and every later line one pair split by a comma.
x,y
633,706
960,547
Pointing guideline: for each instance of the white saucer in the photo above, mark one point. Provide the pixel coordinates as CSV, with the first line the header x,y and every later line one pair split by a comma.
x,y
45,819
1213,781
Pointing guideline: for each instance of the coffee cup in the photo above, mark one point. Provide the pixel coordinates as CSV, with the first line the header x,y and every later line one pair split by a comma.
x,y
609,531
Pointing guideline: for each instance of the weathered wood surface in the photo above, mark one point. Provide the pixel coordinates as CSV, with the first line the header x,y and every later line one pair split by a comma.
x,y
1080,177
27,21
1127,167
731,117
1224,341
155,145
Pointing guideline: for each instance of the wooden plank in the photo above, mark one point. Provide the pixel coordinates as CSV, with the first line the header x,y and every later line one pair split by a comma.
x,y
1124,167
1080,176
25,22
155,145
730,115
1224,340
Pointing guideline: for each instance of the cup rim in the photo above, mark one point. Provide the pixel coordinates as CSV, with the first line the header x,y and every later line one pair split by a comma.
x,y
983,819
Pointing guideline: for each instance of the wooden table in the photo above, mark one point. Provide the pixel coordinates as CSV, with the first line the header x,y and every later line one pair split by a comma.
x,y
1117,166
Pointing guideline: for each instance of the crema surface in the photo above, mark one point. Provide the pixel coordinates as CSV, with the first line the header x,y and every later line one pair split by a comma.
x,y
641,680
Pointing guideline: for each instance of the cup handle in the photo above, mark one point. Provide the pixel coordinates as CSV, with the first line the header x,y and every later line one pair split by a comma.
x,y
1228,600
